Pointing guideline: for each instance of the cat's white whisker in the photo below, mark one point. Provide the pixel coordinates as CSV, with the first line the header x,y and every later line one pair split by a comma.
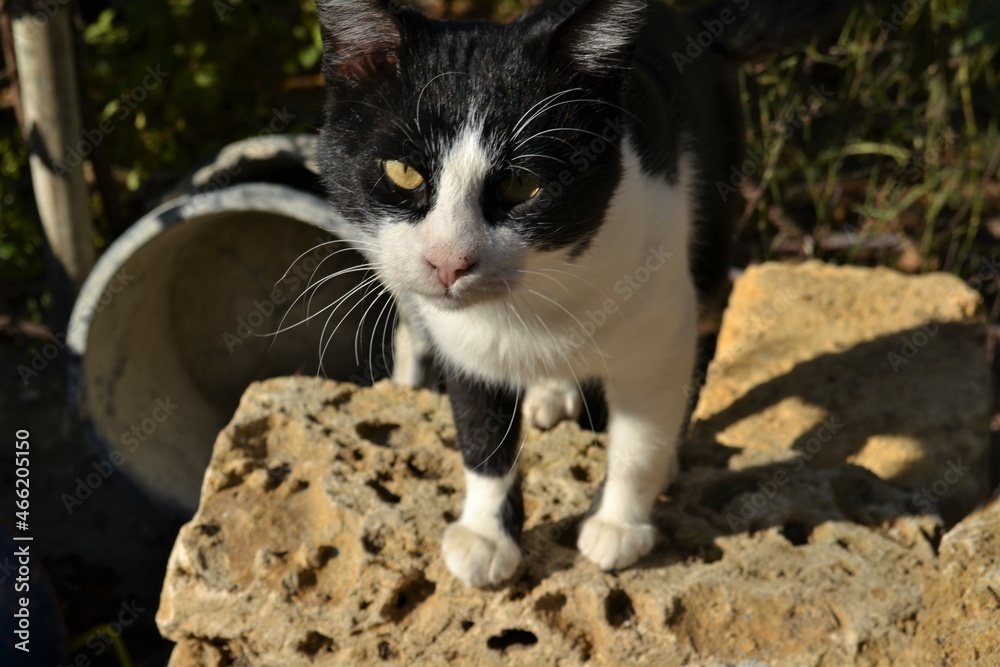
x,y
282,329
378,355
397,121
537,273
530,171
312,249
342,319
313,289
500,442
371,342
597,348
572,371
526,156
361,322
589,283
594,100
416,115
559,129
320,263
522,123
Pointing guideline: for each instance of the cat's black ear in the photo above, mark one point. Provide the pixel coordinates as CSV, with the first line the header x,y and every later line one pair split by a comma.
x,y
361,38
596,36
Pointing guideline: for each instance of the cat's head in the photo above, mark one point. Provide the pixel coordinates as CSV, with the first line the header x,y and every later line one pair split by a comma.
x,y
461,152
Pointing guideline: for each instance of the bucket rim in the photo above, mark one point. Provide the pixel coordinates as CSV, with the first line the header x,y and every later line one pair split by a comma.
x,y
249,197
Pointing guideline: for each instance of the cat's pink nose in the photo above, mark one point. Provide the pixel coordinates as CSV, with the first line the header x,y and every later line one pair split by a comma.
x,y
450,270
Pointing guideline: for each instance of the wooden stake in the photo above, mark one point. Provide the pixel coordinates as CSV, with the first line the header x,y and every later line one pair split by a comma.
x,y
43,47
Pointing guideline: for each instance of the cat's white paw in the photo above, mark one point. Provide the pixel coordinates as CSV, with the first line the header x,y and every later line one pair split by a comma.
x,y
613,546
478,560
549,402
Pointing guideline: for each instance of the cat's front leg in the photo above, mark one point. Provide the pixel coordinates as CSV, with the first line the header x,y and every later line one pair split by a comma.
x,y
646,415
481,547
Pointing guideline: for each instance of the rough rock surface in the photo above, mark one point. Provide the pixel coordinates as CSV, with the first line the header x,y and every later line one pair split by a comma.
x,y
960,621
317,538
863,366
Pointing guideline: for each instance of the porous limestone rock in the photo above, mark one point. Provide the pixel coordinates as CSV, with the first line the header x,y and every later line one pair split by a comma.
x,y
863,366
317,540
960,620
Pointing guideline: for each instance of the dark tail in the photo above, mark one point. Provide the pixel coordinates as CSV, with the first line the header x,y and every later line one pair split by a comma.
x,y
753,29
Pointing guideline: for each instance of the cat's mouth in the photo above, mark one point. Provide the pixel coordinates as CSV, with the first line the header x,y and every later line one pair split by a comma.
x,y
457,299
469,292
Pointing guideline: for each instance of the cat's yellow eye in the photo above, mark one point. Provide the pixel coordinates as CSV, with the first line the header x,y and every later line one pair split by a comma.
x,y
403,176
519,188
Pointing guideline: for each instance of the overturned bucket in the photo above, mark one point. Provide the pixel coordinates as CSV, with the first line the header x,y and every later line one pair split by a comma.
x,y
176,320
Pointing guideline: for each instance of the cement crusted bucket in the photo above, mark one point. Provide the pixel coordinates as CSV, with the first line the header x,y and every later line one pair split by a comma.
x,y
175,320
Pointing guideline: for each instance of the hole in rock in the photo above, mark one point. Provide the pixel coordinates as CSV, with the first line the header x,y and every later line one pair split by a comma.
x,y
376,433
580,473
618,608
409,596
209,529
419,472
511,637
315,643
550,602
325,554
386,652
796,533
338,401
252,437
383,493
276,475
373,543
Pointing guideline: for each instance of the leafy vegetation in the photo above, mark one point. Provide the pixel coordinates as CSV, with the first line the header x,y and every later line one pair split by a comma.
x,y
879,144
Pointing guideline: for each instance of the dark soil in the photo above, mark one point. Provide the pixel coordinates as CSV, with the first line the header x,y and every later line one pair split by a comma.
x,y
106,556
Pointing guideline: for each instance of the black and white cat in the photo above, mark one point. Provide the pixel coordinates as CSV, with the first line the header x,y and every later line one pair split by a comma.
x,y
541,199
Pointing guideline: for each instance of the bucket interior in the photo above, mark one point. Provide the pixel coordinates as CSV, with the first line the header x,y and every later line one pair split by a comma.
x,y
187,322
